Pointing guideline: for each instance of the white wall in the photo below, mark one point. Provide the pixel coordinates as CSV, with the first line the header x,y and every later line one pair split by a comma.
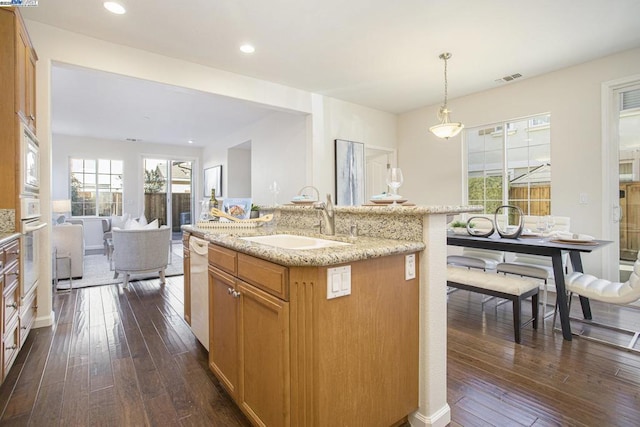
x,y
278,153
335,119
239,171
433,167
66,146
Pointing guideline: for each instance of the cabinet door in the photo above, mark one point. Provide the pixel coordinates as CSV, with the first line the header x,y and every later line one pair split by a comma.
x,y
264,357
223,329
25,77
30,88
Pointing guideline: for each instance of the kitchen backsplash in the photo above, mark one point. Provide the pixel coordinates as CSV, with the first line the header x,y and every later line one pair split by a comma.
x,y
7,220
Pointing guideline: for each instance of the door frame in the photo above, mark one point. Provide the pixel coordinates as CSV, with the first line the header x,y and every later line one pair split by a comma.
x,y
391,154
610,172
195,172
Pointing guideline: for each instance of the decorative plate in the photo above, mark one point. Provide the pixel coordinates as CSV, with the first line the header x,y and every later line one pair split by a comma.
x,y
387,201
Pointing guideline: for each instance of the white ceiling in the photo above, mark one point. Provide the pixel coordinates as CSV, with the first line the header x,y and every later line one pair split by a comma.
x,y
378,53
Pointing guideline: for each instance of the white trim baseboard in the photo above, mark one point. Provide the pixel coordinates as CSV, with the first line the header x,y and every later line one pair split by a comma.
x,y
440,418
45,321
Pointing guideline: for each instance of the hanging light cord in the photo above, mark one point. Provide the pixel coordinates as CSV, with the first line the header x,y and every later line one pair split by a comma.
x,y
444,57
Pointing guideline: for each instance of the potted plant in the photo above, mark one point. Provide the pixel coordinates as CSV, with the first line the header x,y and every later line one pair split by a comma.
x,y
255,211
460,227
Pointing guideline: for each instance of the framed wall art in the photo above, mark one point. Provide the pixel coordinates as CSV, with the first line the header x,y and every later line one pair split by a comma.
x,y
349,173
213,179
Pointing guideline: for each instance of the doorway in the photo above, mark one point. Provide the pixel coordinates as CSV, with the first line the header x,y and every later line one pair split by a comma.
x,y
168,186
623,129
377,162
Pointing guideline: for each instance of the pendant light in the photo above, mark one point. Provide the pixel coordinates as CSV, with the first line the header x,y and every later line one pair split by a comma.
x,y
445,129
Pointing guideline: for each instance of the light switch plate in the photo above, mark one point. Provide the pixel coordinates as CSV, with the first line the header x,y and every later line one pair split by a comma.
x,y
410,267
338,281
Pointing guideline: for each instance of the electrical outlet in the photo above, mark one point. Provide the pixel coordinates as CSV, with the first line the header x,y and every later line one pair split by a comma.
x,y
410,267
584,198
338,282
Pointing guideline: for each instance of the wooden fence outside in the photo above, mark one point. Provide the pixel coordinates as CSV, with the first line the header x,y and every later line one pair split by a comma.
x,y
539,199
155,206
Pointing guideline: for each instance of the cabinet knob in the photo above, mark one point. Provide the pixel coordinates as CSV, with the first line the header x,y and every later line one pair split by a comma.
x,y
236,294
32,117
230,291
14,305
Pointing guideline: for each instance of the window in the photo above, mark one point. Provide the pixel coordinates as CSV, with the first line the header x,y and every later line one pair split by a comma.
x,y
510,163
96,187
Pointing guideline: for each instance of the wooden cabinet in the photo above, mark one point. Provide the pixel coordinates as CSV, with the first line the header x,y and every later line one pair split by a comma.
x,y
249,335
10,309
263,332
25,76
17,100
223,329
291,357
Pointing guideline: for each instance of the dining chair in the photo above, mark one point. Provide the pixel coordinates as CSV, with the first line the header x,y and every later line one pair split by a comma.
x,y
619,293
536,266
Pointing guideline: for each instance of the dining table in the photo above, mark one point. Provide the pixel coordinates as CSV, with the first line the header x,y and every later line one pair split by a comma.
x,y
544,246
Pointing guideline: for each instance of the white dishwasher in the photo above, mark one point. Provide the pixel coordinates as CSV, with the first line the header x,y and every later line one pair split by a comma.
x,y
199,289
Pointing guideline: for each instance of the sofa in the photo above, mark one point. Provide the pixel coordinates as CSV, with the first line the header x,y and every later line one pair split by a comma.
x,y
140,250
68,244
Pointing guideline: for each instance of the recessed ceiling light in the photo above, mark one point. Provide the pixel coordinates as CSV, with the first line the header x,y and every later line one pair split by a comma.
x,y
190,142
247,48
114,7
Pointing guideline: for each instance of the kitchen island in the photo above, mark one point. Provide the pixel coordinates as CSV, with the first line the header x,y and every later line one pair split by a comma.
x,y
293,348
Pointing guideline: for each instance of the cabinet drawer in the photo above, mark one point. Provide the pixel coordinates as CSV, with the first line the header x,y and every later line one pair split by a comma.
x,y
11,253
10,298
223,258
10,347
270,277
28,310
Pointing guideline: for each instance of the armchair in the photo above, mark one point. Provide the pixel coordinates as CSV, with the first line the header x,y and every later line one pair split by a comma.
x,y
68,244
138,251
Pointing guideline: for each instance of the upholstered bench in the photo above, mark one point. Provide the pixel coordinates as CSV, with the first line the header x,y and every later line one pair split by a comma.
x,y
511,288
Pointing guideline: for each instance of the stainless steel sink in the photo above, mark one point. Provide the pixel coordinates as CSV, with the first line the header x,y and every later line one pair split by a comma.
x,y
290,241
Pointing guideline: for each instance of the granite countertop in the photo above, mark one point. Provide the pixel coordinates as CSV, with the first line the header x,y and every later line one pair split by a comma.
x,y
7,237
360,247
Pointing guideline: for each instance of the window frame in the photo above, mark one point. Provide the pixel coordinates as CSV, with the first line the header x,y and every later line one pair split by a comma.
x,y
505,130
98,187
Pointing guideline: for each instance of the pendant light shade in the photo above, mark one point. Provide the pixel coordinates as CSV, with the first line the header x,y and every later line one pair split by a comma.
x,y
445,129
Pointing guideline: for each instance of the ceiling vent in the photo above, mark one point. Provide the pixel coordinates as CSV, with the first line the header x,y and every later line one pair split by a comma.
x,y
507,79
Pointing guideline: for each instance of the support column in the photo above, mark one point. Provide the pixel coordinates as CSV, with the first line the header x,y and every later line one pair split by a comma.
x,y
433,408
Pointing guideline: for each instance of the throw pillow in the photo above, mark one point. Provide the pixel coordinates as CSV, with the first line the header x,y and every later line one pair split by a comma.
x,y
152,225
143,220
132,224
119,221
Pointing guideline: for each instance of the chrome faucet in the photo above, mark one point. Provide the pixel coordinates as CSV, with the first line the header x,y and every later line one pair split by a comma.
x,y
329,215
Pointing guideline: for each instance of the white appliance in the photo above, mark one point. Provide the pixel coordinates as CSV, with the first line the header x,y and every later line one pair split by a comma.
x,y
31,228
29,162
199,279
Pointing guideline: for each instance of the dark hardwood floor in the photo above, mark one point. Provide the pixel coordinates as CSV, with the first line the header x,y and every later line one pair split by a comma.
x,y
119,358
545,380
116,358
